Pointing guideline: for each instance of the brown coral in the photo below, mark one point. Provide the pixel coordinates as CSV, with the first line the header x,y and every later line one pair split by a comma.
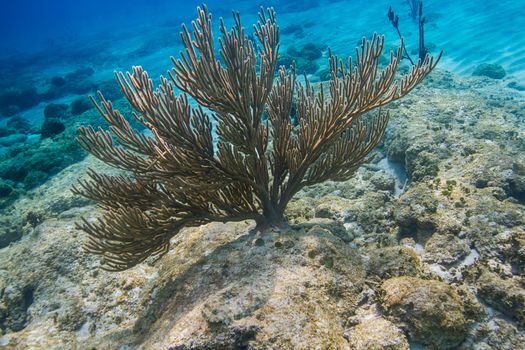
x,y
180,176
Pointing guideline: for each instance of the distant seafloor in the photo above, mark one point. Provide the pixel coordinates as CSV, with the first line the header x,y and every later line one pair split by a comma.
x,y
470,32
43,40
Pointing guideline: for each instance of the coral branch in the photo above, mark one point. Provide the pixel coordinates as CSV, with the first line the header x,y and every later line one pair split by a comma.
x,y
178,176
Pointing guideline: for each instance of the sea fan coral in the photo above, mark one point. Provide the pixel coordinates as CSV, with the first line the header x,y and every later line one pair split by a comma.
x,y
180,176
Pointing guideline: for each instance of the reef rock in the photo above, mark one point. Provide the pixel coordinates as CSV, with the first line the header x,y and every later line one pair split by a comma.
x,y
377,334
287,291
432,311
490,70
218,287
393,262
506,295
445,249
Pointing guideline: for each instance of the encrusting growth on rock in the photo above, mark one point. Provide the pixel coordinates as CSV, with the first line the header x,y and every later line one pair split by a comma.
x,y
180,176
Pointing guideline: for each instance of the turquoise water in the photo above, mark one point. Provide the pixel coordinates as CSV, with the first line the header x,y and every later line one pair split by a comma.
x,y
463,144
57,37
470,31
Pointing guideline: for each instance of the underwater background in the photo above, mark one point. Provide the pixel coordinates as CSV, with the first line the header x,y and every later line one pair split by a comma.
x,y
437,220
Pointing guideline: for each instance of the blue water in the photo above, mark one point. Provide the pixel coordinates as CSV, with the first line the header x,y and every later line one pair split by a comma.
x,y
46,40
61,35
470,31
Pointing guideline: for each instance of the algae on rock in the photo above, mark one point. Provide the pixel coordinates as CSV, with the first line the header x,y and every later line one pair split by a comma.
x,y
433,311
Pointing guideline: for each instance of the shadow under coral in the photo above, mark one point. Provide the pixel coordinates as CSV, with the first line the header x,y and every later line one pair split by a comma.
x,y
288,289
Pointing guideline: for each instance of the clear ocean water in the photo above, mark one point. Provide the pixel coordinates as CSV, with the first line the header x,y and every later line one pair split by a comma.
x,y
55,54
47,39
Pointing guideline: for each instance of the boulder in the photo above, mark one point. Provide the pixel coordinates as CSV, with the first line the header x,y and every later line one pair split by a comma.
x,y
52,127
505,295
490,70
55,110
432,311
80,105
